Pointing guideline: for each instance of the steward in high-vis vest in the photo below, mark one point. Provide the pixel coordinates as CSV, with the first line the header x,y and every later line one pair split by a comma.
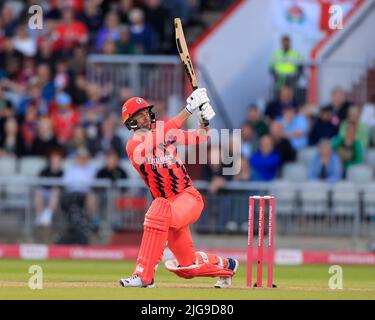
x,y
286,65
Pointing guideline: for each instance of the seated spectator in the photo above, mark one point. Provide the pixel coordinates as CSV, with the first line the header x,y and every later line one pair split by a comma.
x,y
78,61
112,170
92,17
27,73
28,128
97,95
47,197
124,8
275,108
11,143
78,141
339,105
362,132
78,90
79,176
368,113
323,127
70,32
296,127
34,96
109,140
23,43
45,54
64,119
110,31
78,200
63,76
91,123
325,165
348,148
109,47
142,34
249,141
217,205
46,83
8,21
282,144
124,44
159,18
265,162
257,123
45,139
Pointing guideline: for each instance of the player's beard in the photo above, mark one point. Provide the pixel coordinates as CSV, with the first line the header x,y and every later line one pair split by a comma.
x,y
145,125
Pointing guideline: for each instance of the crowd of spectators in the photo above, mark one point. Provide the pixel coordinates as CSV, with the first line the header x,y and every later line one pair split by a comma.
x,y
341,132
46,101
49,109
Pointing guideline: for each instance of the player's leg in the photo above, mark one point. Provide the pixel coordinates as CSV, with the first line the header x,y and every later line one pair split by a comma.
x,y
155,234
188,263
186,209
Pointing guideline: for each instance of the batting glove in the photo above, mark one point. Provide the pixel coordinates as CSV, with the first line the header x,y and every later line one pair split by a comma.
x,y
206,114
197,99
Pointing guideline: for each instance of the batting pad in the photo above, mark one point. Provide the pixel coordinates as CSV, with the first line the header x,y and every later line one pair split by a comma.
x,y
205,269
155,235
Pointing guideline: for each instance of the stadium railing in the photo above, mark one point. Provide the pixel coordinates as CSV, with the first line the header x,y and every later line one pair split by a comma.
x,y
156,77
302,208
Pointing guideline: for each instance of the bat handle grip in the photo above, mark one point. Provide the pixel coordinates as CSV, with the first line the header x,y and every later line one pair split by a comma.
x,y
205,122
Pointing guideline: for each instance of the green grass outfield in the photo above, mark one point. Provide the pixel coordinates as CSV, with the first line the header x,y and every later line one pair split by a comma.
x,y
99,280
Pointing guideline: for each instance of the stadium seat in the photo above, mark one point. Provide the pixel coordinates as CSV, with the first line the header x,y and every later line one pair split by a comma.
x,y
345,199
305,155
31,166
360,174
7,166
370,157
16,194
295,172
285,193
314,198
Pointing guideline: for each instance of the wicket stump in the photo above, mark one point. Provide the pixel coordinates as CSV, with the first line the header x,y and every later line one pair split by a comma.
x,y
250,240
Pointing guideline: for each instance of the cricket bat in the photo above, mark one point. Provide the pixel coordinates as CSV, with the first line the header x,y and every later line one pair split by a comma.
x,y
183,51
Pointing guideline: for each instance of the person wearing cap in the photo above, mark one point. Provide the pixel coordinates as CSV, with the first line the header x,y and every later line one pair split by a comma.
x,y
176,202
64,119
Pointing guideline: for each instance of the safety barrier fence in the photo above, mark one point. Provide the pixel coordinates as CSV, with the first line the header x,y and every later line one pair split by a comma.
x,y
106,207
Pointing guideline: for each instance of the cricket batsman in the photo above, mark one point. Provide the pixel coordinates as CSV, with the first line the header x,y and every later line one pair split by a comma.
x,y
176,202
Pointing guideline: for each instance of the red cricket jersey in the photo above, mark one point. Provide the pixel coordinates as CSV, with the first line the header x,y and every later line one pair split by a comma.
x,y
154,155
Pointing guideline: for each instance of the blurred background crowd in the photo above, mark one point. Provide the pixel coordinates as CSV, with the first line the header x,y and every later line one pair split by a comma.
x,y
49,109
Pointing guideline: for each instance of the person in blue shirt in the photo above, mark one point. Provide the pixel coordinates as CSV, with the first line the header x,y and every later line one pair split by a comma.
x,y
326,164
265,162
296,128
